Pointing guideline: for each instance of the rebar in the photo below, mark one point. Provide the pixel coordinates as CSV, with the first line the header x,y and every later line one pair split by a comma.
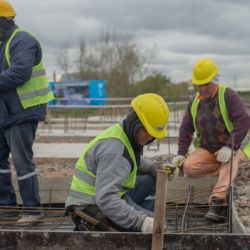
x,y
186,206
230,202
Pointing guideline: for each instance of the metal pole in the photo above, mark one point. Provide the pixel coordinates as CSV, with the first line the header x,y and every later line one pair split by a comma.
x,y
230,196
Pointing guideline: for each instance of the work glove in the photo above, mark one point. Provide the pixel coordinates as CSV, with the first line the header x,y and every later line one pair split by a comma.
x,y
224,154
170,168
178,160
147,225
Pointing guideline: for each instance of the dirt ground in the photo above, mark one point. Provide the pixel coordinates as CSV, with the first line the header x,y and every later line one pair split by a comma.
x,y
53,167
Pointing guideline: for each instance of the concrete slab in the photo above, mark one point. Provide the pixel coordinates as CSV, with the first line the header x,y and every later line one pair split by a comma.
x,y
74,150
89,131
59,240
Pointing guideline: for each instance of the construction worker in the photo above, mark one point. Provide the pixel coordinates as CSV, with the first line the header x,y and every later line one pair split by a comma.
x,y
113,182
221,122
24,92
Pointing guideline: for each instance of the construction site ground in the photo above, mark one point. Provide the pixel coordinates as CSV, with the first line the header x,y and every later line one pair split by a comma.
x,y
56,151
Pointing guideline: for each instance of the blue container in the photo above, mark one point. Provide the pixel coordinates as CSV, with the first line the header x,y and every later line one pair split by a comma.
x,y
79,92
97,90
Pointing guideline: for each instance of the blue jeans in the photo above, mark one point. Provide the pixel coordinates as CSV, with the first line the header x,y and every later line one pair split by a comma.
x,y
138,197
18,140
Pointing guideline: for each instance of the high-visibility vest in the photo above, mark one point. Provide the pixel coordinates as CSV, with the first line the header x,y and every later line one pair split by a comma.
x,y
83,182
36,90
223,110
245,145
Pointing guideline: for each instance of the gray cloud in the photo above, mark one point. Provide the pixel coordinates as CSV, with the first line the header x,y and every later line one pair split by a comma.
x,y
181,30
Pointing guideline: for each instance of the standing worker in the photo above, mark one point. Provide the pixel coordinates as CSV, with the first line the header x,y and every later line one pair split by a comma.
x,y
221,122
112,181
24,93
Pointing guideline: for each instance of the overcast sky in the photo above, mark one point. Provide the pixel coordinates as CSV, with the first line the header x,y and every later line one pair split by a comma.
x,y
180,31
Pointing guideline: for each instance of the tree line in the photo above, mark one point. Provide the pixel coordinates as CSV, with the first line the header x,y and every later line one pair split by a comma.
x,y
116,58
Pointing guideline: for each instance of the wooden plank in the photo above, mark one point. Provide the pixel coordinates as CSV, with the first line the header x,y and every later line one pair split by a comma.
x,y
202,188
159,211
177,188
52,189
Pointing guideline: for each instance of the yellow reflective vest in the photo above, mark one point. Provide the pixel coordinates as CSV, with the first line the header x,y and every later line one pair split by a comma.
x,y
83,182
223,110
36,90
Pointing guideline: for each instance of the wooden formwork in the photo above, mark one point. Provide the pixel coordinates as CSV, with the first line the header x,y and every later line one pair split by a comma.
x,y
56,189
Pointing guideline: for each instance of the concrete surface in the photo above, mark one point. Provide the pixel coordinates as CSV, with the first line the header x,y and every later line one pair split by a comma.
x,y
71,150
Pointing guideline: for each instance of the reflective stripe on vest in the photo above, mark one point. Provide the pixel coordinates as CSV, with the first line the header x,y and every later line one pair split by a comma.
x,y
5,171
83,182
224,113
34,93
85,198
36,90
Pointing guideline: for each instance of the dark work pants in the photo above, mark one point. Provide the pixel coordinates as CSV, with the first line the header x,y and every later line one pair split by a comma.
x,y
18,141
142,196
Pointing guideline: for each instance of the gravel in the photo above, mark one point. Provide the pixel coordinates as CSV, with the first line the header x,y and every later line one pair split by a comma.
x,y
242,194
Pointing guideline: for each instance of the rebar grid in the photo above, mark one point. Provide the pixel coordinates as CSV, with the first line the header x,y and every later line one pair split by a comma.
x,y
183,215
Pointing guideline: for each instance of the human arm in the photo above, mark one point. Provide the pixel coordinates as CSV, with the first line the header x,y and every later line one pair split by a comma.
x,y
112,170
25,52
149,166
186,131
238,116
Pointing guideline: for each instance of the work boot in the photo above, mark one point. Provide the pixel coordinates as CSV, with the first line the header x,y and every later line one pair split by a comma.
x,y
31,218
217,212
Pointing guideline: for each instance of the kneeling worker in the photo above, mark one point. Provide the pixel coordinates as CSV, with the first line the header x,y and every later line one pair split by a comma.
x,y
218,117
112,180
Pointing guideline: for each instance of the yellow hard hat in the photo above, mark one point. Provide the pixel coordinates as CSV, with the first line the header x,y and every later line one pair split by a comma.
x,y
153,113
204,71
6,9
